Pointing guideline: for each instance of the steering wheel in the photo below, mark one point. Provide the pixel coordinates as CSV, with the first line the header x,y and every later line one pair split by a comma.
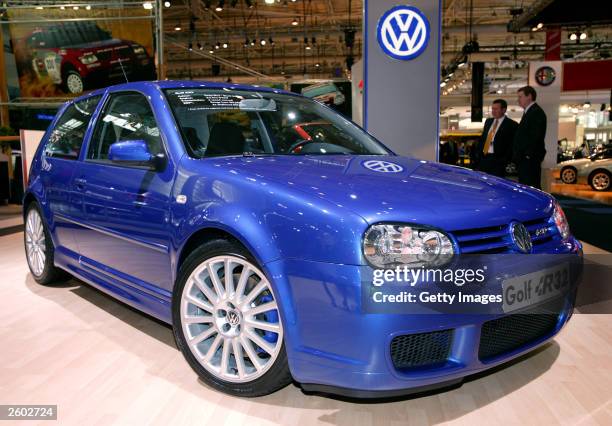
x,y
296,147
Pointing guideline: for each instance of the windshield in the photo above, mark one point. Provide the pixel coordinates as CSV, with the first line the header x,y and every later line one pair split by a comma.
x,y
224,122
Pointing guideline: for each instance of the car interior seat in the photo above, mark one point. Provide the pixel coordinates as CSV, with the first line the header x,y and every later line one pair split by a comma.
x,y
225,139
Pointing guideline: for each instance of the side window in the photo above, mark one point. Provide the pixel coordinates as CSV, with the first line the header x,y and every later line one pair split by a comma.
x,y
127,116
67,136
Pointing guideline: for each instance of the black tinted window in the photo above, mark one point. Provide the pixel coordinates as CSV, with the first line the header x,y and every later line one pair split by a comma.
x,y
126,117
67,136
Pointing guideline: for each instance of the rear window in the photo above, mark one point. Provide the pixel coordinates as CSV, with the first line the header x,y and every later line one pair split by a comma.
x,y
67,136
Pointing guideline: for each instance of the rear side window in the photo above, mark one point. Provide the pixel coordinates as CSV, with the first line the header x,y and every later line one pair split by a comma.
x,y
127,116
67,136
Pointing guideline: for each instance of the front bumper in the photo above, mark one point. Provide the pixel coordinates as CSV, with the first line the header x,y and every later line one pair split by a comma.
x,y
334,347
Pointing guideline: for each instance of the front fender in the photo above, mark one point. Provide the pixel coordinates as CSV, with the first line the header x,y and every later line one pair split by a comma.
x,y
272,220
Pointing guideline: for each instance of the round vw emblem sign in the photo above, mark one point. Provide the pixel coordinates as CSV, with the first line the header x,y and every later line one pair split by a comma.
x,y
233,318
521,237
382,166
403,32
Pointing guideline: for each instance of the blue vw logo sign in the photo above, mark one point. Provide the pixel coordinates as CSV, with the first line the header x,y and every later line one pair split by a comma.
x,y
403,32
382,166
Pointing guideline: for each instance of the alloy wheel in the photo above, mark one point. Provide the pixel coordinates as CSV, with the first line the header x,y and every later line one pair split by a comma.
x,y
601,181
35,243
568,176
74,82
230,319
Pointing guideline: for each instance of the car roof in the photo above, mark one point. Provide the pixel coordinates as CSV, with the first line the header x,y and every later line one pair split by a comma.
x,y
186,84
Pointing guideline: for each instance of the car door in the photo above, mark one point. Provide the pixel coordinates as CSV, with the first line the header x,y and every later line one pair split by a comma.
x,y
126,220
59,159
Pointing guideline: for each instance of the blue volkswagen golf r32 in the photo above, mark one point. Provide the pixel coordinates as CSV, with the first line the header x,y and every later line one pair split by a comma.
x,y
248,218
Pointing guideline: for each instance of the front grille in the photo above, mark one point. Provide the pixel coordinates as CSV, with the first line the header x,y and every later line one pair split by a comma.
x,y
421,350
496,239
503,335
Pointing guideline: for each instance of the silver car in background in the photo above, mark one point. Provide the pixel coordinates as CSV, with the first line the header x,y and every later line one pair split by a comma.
x,y
595,170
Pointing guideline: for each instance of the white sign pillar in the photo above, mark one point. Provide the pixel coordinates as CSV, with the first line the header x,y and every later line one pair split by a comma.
x,y
549,98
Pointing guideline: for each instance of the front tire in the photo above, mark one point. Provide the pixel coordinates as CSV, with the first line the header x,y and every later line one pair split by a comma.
x,y
569,175
600,180
73,82
39,248
228,326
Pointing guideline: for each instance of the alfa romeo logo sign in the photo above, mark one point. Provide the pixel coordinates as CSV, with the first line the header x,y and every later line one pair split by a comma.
x,y
403,32
382,166
545,76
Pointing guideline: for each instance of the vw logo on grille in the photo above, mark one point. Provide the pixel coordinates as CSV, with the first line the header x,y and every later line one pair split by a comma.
x,y
403,32
382,166
521,237
233,318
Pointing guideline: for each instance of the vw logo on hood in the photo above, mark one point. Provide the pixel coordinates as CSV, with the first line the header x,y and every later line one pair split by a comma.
x,y
403,32
521,237
382,166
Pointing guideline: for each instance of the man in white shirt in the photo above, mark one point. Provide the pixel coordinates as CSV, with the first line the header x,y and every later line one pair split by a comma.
x,y
494,150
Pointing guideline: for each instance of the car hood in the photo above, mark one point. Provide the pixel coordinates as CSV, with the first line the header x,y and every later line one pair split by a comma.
x,y
411,190
113,42
575,163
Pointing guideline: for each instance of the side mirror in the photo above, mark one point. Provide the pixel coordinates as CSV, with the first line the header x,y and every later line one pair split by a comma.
x,y
133,153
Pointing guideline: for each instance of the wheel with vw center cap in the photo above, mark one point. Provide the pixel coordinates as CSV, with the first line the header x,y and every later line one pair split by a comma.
x,y
226,321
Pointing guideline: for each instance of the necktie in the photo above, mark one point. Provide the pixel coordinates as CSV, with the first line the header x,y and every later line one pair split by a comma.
x,y
490,137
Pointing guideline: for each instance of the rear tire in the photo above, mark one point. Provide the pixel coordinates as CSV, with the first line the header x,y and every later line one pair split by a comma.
x,y
569,175
39,248
229,328
600,180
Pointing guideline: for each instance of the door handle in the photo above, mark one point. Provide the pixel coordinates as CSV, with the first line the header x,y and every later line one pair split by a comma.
x,y
80,183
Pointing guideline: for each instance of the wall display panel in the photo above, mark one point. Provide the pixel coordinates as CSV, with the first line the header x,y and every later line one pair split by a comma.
x,y
60,53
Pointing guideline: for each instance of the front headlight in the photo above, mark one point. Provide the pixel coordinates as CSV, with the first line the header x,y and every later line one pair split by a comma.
x,y
561,221
89,58
138,50
387,245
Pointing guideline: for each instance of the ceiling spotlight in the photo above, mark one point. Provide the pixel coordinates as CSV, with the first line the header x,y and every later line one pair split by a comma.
x,y
583,35
178,27
539,26
573,36
75,7
246,42
262,42
217,46
269,1
190,46
88,7
443,84
167,4
534,29
317,65
211,51
450,74
147,5
308,47
521,42
586,105
564,109
63,7
295,22
200,47
219,7
225,45
462,63
253,42
500,91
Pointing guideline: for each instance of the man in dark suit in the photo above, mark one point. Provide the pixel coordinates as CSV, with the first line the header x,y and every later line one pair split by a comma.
x,y
529,150
494,149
